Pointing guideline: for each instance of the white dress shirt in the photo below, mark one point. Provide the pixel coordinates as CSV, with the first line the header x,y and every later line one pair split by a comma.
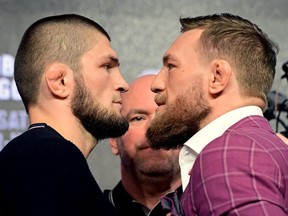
x,y
214,129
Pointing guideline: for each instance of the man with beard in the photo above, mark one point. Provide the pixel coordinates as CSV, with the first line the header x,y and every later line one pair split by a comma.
x,y
211,94
146,174
69,79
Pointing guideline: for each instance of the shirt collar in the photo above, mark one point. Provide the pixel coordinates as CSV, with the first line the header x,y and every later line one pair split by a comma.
x,y
121,199
210,132
217,127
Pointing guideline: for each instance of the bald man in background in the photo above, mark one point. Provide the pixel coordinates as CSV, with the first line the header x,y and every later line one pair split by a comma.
x,y
147,174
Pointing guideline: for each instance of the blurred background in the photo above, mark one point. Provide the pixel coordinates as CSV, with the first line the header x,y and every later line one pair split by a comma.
x,y
141,31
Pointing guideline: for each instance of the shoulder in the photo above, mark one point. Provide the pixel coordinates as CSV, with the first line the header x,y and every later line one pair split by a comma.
x,y
43,141
244,150
249,134
118,196
41,153
123,202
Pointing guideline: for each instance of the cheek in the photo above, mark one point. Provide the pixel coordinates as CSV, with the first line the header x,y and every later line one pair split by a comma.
x,y
135,132
104,96
133,136
174,88
181,80
100,87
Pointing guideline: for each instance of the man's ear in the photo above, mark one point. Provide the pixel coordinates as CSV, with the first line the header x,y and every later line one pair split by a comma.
x,y
56,77
219,77
114,147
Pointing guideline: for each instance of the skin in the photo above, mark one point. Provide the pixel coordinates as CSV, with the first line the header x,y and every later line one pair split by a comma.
x,y
102,77
147,174
183,70
283,138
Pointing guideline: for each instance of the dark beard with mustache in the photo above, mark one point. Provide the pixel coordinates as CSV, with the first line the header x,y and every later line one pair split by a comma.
x,y
98,121
179,122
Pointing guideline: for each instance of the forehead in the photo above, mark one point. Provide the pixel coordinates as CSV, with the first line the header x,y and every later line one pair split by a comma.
x,y
101,47
139,94
184,42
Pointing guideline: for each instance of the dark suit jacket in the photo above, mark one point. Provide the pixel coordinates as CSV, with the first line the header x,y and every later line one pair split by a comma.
x,y
127,206
242,172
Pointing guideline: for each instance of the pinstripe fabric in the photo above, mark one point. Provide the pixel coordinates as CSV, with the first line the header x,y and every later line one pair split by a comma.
x,y
242,172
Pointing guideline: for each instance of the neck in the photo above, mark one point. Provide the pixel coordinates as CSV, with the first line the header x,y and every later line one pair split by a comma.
x,y
149,190
67,126
234,103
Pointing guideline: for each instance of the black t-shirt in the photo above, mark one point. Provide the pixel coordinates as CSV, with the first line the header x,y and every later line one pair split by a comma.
x,y
41,173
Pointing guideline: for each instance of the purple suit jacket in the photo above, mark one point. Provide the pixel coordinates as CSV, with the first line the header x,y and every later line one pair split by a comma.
x,y
243,172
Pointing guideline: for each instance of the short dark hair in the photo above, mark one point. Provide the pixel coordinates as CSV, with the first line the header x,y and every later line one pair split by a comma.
x,y
61,38
243,44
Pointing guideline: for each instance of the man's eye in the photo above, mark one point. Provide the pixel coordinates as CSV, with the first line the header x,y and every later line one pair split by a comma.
x,y
136,118
170,66
107,66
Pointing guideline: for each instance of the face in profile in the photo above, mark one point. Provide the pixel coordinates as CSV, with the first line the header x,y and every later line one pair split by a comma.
x,y
98,120
97,100
180,95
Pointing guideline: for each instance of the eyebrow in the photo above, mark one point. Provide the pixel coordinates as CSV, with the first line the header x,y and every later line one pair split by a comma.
x,y
113,59
168,57
136,111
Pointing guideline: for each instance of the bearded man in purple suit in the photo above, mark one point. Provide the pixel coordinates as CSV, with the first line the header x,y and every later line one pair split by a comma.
x,y
211,93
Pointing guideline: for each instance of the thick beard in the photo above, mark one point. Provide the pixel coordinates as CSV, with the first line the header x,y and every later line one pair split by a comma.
x,y
179,122
97,120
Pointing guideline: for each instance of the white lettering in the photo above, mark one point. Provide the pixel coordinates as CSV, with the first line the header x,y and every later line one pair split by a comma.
x,y
3,142
3,121
13,120
4,88
8,89
7,65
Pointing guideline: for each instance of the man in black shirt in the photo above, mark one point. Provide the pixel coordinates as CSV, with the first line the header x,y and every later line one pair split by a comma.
x,y
69,80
